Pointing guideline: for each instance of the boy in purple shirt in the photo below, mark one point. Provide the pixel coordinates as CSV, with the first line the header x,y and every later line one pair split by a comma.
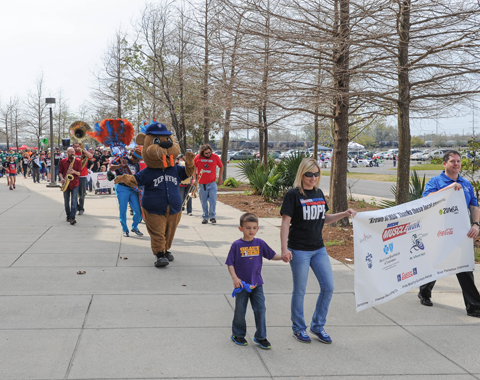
x,y
245,265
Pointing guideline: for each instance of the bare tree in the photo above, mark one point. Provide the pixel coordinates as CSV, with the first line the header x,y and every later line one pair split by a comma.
x,y
35,110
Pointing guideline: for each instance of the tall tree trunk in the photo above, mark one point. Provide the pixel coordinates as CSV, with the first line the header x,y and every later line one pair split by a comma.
x,y
403,170
338,176
260,133
206,74
226,140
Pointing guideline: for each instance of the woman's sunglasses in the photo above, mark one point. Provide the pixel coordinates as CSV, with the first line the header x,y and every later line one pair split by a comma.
x,y
310,174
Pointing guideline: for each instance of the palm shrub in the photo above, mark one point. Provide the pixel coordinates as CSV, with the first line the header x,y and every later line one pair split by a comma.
x,y
273,181
417,187
247,168
289,167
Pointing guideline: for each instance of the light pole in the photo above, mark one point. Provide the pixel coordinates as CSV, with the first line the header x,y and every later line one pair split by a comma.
x,y
50,102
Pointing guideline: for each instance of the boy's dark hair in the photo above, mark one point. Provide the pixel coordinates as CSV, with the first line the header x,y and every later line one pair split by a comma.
x,y
447,155
248,217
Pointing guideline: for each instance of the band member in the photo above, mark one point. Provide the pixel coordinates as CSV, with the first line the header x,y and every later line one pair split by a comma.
x,y
126,194
207,161
82,190
73,166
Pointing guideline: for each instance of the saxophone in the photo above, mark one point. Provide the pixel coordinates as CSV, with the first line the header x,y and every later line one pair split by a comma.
x,y
68,177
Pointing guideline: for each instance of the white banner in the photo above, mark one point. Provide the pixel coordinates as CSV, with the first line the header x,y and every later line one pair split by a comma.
x,y
402,247
100,181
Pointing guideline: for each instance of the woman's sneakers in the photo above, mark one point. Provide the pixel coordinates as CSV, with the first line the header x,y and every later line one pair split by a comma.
x,y
302,336
323,336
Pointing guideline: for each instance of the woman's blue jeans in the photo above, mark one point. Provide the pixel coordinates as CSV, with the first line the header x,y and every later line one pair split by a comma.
x,y
300,264
257,299
126,195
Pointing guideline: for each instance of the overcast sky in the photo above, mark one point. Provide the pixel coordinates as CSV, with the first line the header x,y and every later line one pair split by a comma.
x,y
63,38
66,40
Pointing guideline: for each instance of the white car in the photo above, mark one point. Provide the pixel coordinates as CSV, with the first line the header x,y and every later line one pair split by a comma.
x,y
419,155
435,153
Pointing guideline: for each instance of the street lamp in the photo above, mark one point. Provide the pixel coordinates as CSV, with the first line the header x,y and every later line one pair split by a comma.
x,y
51,102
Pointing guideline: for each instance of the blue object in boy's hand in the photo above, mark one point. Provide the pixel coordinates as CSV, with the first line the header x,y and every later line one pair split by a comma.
x,y
247,287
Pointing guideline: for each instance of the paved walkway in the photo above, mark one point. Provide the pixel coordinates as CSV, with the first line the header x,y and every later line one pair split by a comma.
x,y
125,319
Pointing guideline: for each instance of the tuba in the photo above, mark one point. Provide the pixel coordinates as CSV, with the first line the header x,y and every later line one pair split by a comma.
x,y
78,134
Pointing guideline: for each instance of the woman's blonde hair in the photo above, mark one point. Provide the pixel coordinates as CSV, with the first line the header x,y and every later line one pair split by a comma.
x,y
307,165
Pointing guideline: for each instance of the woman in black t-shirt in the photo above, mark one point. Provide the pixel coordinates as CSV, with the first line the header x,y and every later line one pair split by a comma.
x,y
304,213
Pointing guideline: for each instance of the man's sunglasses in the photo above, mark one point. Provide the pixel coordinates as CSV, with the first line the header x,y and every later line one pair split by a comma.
x,y
310,174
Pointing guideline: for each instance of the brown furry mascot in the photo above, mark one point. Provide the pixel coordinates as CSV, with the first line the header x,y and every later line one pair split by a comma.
x,y
162,203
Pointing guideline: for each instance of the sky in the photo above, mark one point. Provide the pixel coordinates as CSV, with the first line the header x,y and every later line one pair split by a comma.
x,y
63,38
67,39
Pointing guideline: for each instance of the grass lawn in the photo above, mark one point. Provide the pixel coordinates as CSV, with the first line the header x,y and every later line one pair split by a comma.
x,y
369,176
425,167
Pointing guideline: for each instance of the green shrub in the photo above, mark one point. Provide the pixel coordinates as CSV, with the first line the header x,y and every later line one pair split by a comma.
x,y
273,181
436,160
231,182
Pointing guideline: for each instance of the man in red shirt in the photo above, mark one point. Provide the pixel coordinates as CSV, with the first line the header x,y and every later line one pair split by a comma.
x,y
71,194
206,163
82,187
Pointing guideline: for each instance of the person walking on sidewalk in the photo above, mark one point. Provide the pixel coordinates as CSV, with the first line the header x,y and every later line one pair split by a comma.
x,y
126,194
35,167
451,178
82,190
70,195
244,263
25,161
304,213
206,162
12,170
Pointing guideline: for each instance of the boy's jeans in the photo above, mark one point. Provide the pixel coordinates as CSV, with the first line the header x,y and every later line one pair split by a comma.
x,y
300,265
257,299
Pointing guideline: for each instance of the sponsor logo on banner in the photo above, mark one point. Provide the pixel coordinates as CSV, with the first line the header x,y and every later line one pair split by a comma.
x,y
448,231
394,231
369,260
388,248
448,210
365,238
417,243
406,275
414,226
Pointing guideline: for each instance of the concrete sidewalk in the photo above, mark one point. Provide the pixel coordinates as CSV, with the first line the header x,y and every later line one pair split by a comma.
x,y
126,319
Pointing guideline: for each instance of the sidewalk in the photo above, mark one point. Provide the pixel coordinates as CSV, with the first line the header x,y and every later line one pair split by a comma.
x,y
126,319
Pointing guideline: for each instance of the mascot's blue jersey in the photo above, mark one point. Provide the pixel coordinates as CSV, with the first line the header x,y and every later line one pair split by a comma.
x,y
161,189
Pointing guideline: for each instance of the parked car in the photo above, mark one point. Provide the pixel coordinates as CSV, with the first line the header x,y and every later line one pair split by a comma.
x,y
418,155
435,153
390,153
242,155
379,155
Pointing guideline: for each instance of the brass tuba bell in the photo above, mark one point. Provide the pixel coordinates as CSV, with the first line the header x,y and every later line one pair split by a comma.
x,y
78,134
78,131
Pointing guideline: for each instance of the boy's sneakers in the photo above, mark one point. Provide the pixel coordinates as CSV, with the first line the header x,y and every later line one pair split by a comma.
x,y
302,336
239,341
265,344
322,336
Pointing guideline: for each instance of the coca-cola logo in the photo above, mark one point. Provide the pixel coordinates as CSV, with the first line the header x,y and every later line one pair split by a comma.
x,y
393,232
448,231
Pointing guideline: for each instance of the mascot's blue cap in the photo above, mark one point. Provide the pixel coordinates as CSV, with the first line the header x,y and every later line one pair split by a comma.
x,y
158,129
